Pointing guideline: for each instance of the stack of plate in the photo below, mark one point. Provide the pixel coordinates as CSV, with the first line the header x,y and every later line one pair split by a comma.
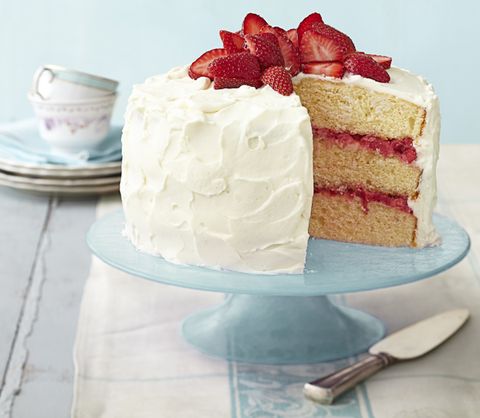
x,y
26,163
52,178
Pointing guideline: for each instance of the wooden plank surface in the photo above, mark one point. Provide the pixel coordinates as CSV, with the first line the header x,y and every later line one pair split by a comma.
x,y
63,266
22,221
40,373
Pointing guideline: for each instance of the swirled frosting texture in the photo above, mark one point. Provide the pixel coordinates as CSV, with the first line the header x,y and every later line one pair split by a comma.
x,y
218,178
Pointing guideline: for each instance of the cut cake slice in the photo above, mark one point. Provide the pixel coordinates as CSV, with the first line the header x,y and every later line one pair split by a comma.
x,y
375,153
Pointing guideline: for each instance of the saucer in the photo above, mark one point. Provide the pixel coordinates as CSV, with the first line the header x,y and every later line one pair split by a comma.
x,y
23,152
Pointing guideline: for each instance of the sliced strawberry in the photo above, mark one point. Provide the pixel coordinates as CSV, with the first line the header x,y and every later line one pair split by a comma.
x,y
292,34
288,50
240,65
232,42
308,23
362,64
332,33
278,79
331,69
252,24
232,83
384,61
325,43
267,52
270,37
278,29
200,67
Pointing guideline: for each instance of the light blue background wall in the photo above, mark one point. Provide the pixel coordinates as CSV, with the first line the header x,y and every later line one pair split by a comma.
x,y
130,40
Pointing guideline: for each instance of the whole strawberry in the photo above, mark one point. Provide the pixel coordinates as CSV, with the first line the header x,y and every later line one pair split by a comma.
x,y
366,66
278,79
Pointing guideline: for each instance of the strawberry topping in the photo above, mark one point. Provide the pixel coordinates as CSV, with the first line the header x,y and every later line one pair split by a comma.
x,y
292,34
331,69
270,37
232,42
252,24
267,52
385,62
289,52
308,23
366,66
260,53
278,79
232,83
241,65
199,68
324,43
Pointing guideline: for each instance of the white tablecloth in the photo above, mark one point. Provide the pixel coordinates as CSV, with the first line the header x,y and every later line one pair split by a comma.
x,y
132,362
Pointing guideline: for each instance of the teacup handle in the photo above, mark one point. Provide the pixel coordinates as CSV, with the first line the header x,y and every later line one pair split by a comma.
x,y
36,80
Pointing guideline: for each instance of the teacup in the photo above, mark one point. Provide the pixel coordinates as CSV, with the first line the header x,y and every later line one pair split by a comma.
x,y
57,83
70,127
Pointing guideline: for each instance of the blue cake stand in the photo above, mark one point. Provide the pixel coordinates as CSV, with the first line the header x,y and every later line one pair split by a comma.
x,y
287,319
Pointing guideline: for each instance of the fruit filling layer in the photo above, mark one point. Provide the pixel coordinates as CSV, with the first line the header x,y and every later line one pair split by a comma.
x,y
402,149
397,202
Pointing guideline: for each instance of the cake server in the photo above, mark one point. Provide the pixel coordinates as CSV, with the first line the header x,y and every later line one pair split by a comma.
x,y
407,344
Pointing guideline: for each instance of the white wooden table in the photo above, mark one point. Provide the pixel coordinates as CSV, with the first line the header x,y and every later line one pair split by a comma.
x,y
44,262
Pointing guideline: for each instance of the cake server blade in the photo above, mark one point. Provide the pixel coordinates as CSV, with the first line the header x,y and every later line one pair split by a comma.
x,y
421,337
408,343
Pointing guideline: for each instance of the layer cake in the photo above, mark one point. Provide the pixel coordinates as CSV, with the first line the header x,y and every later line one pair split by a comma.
x,y
234,161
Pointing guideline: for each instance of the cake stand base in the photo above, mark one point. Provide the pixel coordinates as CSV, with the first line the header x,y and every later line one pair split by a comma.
x,y
281,319
281,330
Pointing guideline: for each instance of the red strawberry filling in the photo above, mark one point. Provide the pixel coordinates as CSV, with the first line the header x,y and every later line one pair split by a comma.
x,y
366,197
313,47
402,149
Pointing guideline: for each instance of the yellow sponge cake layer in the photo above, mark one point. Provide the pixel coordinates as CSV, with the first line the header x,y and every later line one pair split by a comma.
x,y
344,218
352,165
348,108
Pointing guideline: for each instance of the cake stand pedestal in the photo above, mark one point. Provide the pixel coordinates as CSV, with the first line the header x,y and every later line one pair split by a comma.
x,y
285,318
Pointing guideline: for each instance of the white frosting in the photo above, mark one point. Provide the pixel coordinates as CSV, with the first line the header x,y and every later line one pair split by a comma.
x,y
415,89
223,178
427,147
218,178
403,84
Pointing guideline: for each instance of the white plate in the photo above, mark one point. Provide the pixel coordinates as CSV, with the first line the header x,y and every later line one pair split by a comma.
x,y
63,190
60,182
60,171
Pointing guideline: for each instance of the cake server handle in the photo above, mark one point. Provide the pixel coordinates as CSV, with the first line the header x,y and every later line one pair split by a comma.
x,y
327,388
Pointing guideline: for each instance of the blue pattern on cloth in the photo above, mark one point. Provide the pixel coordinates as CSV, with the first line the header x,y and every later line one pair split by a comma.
x,y
20,142
276,391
